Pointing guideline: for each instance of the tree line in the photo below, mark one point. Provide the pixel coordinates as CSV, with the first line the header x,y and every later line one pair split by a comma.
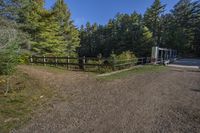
x,y
178,29
51,32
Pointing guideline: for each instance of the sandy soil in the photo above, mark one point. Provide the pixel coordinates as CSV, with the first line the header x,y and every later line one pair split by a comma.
x,y
154,102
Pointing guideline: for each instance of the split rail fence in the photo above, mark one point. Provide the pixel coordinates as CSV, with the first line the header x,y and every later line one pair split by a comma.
x,y
86,62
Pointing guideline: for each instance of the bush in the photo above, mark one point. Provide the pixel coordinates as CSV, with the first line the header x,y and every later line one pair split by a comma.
x,y
127,55
10,38
24,58
123,60
123,57
8,60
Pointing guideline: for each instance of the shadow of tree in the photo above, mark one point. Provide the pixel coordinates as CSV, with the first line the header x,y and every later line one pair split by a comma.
x,y
196,90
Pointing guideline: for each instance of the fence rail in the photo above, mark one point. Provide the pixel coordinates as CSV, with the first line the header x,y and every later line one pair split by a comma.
x,y
83,62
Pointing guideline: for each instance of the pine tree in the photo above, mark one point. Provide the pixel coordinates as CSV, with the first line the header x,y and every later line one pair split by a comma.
x,y
43,28
31,21
67,28
152,19
186,15
49,41
123,33
11,9
10,38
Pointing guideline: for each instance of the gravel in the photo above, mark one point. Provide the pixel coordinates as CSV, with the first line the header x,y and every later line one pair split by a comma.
x,y
167,101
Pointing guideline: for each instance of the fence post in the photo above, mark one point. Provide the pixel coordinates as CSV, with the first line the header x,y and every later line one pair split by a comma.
x,y
134,60
145,60
113,64
162,60
67,62
84,61
31,59
148,60
99,63
44,60
142,61
56,61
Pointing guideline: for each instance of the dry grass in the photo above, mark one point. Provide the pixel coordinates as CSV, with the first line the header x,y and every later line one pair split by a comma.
x,y
25,96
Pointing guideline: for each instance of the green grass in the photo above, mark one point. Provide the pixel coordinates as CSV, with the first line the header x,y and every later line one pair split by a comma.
x,y
26,96
136,70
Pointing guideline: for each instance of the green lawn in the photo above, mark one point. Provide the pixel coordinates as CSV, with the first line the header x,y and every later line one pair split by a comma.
x,y
136,70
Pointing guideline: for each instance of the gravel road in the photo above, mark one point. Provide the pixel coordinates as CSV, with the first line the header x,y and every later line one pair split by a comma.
x,y
162,102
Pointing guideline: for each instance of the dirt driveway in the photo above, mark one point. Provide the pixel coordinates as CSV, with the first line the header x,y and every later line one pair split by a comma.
x,y
153,102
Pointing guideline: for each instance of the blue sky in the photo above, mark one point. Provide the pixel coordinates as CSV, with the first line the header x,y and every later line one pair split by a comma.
x,y
101,11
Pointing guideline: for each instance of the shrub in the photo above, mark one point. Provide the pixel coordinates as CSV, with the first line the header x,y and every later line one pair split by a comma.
x,y
23,58
127,55
8,60
123,60
123,57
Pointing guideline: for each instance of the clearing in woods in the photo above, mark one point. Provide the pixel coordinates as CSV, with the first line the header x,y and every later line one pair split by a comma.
x,y
144,100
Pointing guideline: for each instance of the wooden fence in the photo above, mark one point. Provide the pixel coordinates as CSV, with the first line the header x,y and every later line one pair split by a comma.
x,y
85,62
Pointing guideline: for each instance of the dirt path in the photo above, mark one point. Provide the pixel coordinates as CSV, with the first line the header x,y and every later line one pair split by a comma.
x,y
154,102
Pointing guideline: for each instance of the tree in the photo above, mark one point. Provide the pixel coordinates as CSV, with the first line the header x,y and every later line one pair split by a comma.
x,y
152,19
51,32
8,46
12,9
67,28
186,17
123,33
49,40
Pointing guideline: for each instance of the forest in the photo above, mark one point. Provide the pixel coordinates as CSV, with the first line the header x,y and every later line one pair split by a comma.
x,y
28,28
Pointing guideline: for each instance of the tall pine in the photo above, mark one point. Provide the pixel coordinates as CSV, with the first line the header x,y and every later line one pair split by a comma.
x,y
186,14
152,19
67,29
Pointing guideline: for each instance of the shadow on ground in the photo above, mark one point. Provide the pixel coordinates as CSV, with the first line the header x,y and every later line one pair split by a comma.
x,y
195,90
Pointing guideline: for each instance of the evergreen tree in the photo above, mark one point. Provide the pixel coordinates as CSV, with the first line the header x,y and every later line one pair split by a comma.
x,y
11,9
31,22
10,38
67,29
49,41
123,33
186,16
152,19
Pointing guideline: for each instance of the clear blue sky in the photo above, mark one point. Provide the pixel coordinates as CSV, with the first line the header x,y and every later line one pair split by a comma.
x,y
101,11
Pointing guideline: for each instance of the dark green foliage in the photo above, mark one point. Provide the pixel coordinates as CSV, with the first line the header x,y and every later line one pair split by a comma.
x,y
181,28
9,45
39,31
152,19
123,33
8,59
51,32
44,30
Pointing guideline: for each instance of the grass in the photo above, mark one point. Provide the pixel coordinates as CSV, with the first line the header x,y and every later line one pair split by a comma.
x,y
136,70
26,95
49,68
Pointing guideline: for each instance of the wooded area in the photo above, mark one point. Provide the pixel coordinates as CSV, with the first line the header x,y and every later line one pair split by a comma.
x,y
27,28
178,29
